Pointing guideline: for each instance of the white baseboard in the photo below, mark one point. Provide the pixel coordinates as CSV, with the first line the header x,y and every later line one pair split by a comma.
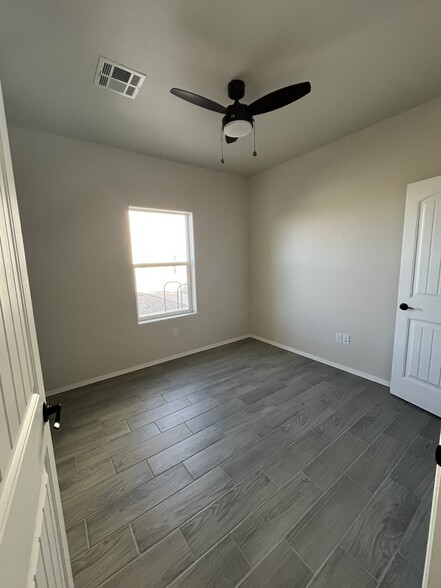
x,y
212,346
142,366
325,361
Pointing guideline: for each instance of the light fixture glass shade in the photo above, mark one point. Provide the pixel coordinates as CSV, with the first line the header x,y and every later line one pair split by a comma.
x,y
238,128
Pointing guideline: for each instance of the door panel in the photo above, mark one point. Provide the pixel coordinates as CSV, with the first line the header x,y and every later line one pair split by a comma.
x,y
416,370
33,545
424,352
428,258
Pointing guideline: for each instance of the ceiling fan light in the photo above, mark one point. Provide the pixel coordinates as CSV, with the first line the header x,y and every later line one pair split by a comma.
x,y
238,128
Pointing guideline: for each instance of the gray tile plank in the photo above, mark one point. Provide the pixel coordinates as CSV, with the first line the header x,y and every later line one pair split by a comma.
x,y
77,482
184,390
296,456
282,568
96,565
416,469
138,501
246,416
155,524
325,469
289,392
157,567
414,544
88,420
66,468
261,391
401,574
307,420
143,418
222,567
184,449
136,453
216,389
210,525
214,415
238,390
319,373
345,393
268,524
74,435
243,464
344,417
89,442
316,535
91,499
376,534
408,424
215,454
317,392
376,462
342,571
129,410
185,414
77,539
275,418
378,418
110,447
432,429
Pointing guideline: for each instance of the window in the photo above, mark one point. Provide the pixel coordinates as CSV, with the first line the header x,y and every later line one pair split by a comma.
x,y
162,253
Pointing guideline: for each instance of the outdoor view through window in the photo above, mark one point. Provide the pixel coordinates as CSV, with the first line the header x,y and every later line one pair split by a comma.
x,y
162,262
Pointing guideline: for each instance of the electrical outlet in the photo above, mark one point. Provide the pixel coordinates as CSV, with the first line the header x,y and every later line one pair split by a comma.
x,y
176,331
338,337
346,339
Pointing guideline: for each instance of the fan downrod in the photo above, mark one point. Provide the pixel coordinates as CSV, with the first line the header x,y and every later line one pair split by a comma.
x,y
236,90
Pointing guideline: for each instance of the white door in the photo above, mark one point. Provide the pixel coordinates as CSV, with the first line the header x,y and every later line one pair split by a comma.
x,y
432,568
416,369
33,546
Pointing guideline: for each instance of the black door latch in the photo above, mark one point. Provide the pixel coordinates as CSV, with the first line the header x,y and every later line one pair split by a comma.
x,y
48,410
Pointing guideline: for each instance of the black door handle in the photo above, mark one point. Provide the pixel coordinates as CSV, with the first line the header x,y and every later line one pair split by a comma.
x,y
438,455
405,306
54,409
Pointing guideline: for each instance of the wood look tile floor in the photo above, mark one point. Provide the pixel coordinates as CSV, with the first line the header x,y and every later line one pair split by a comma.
x,y
245,466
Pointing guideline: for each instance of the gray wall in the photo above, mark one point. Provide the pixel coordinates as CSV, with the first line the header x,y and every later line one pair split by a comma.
x,y
326,234
73,199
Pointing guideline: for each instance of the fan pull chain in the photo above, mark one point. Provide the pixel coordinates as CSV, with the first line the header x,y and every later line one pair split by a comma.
x,y
222,147
254,129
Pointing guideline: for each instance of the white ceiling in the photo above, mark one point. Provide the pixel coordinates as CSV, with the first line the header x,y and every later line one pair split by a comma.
x,y
366,60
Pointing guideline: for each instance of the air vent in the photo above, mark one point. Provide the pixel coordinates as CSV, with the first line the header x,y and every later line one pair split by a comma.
x,y
118,78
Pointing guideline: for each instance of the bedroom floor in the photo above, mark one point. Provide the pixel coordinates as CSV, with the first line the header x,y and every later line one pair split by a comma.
x,y
248,466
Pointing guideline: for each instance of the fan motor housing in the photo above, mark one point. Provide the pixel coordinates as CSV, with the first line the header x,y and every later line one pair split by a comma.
x,y
237,112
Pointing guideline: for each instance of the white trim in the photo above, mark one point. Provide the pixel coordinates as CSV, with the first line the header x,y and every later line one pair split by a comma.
x,y
325,361
212,346
143,365
15,465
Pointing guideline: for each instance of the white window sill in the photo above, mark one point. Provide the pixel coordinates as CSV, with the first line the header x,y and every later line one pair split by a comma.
x,y
156,319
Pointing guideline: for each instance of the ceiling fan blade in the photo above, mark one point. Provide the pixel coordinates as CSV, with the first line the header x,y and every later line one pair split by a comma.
x,y
198,100
230,139
279,98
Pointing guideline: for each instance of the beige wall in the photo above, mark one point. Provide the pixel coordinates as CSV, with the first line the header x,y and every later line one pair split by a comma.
x,y
326,236
73,199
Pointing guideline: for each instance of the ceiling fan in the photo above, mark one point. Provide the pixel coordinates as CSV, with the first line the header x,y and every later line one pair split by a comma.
x,y
238,119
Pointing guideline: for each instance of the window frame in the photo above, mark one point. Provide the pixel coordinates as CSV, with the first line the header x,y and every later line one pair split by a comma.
x,y
190,264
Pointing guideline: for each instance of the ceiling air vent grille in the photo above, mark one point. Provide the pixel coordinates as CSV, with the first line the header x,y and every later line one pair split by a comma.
x,y
118,78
